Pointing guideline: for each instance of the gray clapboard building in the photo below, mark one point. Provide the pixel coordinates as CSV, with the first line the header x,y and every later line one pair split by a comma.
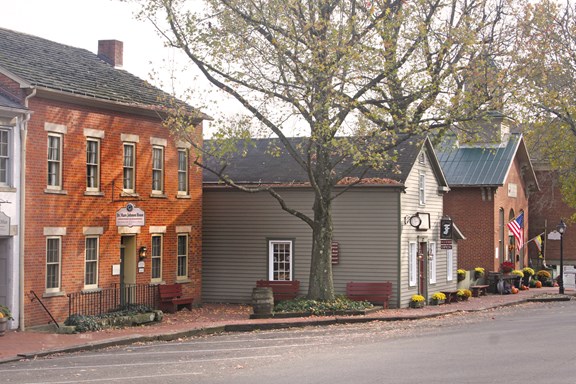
x,y
386,228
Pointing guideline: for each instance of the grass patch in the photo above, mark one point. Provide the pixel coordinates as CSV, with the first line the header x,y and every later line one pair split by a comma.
x,y
317,307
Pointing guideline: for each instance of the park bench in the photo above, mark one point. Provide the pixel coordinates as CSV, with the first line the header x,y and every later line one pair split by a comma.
x,y
479,290
281,289
374,292
451,296
171,299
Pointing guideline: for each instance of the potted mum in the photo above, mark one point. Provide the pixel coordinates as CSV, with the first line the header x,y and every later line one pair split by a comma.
x,y
437,298
417,301
464,294
461,273
520,276
5,315
478,273
507,267
528,273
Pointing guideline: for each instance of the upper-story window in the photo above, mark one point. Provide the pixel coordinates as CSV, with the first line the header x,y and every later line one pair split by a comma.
x,y
5,156
129,171
422,188
182,171
92,164
54,161
157,169
422,158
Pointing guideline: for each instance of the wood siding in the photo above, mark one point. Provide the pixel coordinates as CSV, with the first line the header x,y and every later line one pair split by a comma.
x,y
237,227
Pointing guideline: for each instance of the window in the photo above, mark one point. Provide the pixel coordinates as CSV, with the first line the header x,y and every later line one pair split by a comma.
x,y
182,171
4,157
449,265
422,189
432,262
156,258
280,259
182,256
91,271
412,264
53,257
157,169
422,158
129,167
92,165
54,161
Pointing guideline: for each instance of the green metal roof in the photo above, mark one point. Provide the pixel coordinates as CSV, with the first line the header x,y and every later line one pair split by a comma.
x,y
478,166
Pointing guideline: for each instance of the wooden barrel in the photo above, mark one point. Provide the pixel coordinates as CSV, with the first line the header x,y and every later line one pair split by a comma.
x,y
262,300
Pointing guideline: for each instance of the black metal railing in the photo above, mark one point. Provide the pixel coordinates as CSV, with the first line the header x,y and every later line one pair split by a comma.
x,y
100,301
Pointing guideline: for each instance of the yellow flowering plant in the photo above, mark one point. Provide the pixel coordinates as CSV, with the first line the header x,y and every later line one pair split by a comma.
x,y
438,296
479,270
417,298
518,272
528,271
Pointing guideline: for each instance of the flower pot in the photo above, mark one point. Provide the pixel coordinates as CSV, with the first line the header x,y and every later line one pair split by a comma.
x,y
3,325
437,302
416,304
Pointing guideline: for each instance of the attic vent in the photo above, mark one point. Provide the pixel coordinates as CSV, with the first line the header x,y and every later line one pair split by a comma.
x,y
111,51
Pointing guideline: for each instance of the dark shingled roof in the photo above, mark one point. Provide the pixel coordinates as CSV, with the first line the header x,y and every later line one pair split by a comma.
x,y
256,165
7,103
45,64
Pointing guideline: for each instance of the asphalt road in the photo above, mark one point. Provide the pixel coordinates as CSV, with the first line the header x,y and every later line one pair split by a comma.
x,y
530,343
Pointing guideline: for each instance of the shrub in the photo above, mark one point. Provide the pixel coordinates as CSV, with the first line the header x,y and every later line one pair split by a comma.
x,y
318,307
528,271
543,275
438,296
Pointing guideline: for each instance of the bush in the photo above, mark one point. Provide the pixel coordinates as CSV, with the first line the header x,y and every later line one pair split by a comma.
x,y
464,293
318,307
543,275
438,296
95,323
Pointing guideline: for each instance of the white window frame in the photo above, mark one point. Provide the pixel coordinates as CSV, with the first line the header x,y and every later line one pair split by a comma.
x,y
274,272
412,264
422,188
182,258
93,165
57,163
432,262
95,262
449,265
130,168
5,156
422,158
183,182
157,169
156,257
57,263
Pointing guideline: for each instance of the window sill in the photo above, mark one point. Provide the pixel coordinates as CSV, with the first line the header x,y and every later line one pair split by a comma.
x,y
183,280
8,189
93,193
53,294
183,196
91,290
129,194
158,196
56,191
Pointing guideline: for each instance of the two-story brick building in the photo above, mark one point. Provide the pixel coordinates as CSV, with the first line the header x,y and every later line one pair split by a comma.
x,y
110,196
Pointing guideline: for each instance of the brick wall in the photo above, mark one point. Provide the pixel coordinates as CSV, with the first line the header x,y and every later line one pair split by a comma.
x,y
74,210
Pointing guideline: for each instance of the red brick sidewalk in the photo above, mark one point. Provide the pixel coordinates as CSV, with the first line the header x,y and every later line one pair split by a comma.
x,y
218,318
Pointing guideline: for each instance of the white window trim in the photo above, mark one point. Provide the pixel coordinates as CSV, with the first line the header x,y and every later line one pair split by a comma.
x,y
179,256
133,145
271,244
412,264
92,286
449,265
59,263
160,170
160,257
97,165
60,137
186,189
432,262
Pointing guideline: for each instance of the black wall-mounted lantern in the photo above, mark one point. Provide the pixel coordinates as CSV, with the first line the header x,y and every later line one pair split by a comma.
x,y
142,252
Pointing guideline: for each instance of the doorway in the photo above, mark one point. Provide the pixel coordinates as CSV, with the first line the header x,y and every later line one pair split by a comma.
x,y
127,269
423,269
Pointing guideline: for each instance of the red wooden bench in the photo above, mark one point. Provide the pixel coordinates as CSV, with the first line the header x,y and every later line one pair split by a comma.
x,y
171,298
376,293
281,289
451,296
479,290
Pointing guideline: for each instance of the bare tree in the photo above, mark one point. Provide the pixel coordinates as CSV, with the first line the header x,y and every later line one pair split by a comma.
x,y
372,71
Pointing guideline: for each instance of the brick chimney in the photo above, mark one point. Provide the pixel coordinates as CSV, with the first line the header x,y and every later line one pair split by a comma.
x,y
111,51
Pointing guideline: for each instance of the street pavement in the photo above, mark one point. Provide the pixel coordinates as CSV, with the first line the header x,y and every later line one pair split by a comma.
x,y
217,318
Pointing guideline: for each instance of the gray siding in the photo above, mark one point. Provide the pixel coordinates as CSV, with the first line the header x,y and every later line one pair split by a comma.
x,y
238,225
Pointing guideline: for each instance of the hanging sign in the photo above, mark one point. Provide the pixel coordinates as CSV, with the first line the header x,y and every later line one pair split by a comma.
x,y
130,216
446,229
4,224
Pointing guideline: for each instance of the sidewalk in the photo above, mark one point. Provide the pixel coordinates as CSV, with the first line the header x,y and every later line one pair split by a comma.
x,y
215,318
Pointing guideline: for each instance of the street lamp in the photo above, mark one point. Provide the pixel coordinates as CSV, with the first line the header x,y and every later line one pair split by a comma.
x,y
561,228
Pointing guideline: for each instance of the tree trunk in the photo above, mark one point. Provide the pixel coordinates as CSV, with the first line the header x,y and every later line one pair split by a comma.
x,y
321,282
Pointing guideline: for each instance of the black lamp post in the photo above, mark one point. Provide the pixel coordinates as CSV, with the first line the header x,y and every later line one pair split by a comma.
x,y
561,228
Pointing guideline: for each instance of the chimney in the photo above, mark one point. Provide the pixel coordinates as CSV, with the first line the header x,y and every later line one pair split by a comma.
x,y
111,51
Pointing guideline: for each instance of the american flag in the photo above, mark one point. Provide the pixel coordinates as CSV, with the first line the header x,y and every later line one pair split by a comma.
x,y
516,226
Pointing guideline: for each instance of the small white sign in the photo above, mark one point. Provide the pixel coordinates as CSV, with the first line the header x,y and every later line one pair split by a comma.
x,y
4,224
554,235
115,269
130,216
512,190
569,277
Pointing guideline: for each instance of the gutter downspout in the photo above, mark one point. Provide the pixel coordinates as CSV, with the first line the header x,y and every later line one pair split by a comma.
x,y
23,138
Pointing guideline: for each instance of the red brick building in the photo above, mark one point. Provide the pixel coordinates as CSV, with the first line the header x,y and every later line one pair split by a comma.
x,y
110,196
491,182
